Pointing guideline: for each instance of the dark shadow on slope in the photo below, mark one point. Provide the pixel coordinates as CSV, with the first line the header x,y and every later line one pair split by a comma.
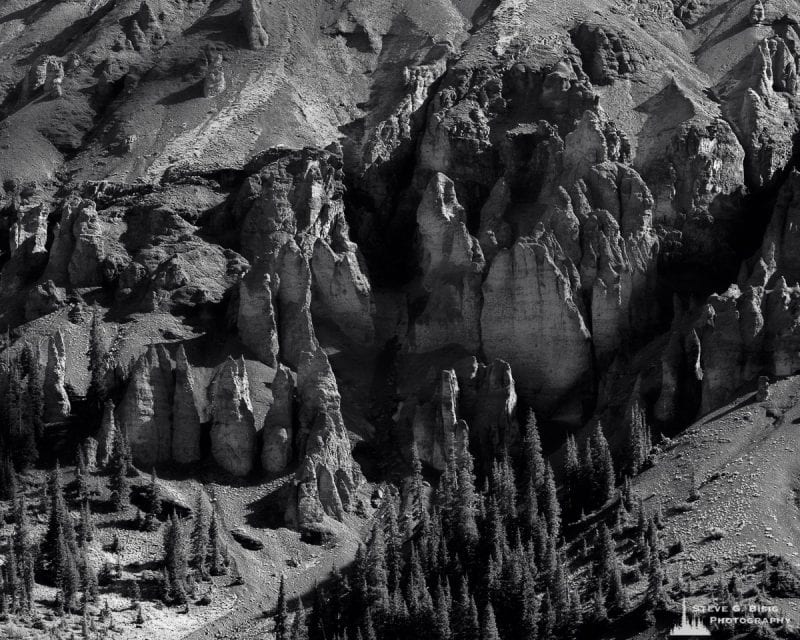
x,y
191,92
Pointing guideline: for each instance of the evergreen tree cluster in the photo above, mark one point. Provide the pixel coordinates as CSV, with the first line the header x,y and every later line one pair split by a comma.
x,y
492,564
21,416
191,555
589,479
63,560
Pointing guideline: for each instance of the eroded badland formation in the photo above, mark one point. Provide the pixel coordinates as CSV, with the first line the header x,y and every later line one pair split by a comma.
x,y
271,244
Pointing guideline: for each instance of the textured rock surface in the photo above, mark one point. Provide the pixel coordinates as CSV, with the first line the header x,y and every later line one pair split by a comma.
x,y
214,80
531,320
256,319
145,412
452,264
537,199
107,435
233,430
278,432
186,429
251,19
328,476
56,401
292,214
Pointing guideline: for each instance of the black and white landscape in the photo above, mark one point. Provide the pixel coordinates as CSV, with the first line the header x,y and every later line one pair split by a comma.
x,y
399,319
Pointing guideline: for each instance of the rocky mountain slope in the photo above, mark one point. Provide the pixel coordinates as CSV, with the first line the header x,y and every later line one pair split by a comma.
x,y
303,232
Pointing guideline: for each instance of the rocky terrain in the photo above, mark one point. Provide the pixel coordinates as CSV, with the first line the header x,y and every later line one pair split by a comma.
x,y
291,239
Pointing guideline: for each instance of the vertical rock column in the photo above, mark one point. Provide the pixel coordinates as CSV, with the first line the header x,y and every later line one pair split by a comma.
x,y
185,414
56,401
233,431
145,412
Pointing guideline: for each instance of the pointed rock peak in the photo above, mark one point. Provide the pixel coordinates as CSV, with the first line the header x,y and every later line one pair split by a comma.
x,y
586,145
757,13
440,199
181,361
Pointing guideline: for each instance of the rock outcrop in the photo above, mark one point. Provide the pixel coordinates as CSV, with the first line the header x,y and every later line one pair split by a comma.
x,y
56,401
214,80
780,253
328,477
278,432
531,319
761,109
186,421
436,425
233,429
144,29
606,54
452,266
292,215
107,435
493,415
257,37
145,412
256,320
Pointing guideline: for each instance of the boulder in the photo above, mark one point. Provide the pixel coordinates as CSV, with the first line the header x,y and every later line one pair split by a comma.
x,y
214,80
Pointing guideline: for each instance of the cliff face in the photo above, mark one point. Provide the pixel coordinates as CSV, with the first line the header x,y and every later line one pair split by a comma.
x,y
446,212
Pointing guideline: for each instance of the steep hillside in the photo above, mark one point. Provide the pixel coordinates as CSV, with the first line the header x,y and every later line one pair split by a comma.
x,y
283,250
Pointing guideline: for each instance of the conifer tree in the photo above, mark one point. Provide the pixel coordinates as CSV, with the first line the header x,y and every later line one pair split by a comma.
x,y
505,488
21,428
281,617
488,624
550,504
604,479
216,555
572,481
59,550
316,620
532,458
443,609
471,630
88,578
417,482
96,393
655,596
152,502
175,560
547,618
587,501
599,613
200,538
23,554
639,441
393,554
35,392
86,525
8,478
119,466
617,598
299,628
377,575
465,522
529,614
